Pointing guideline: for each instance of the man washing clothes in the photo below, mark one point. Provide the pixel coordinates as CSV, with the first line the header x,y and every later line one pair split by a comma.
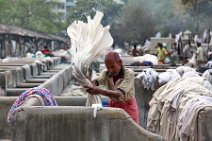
x,y
120,84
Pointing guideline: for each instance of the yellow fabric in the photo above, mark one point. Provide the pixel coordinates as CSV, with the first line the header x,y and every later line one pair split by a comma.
x,y
161,53
126,84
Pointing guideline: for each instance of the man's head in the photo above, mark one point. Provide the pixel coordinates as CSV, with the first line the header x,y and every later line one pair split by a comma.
x,y
198,44
134,46
113,63
160,45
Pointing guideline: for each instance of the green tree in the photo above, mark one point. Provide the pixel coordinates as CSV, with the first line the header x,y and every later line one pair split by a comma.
x,y
31,14
86,8
201,10
135,25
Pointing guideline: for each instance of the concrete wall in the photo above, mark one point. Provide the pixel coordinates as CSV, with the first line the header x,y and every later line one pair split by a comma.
x,y
143,96
77,124
6,103
204,125
57,83
24,74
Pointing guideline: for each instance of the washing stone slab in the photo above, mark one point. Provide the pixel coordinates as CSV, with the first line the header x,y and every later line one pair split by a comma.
x,y
77,123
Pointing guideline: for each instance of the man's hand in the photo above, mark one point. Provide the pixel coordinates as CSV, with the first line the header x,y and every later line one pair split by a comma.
x,y
92,90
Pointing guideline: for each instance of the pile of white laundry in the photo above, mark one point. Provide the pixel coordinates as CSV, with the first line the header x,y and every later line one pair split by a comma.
x,y
183,92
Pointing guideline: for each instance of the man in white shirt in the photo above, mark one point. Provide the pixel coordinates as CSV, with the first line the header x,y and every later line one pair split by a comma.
x,y
199,55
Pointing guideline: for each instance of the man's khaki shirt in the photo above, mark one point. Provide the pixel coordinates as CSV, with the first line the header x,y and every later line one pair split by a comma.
x,y
125,84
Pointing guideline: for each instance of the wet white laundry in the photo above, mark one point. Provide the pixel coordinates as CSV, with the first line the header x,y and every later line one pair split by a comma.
x,y
96,107
208,75
148,77
183,69
168,102
187,123
89,40
190,74
209,64
146,57
167,76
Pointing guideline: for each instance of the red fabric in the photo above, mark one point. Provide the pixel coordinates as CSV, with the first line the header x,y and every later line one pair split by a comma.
x,y
46,51
129,106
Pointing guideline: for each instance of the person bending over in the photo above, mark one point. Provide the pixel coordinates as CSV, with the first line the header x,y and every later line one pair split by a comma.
x,y
120,84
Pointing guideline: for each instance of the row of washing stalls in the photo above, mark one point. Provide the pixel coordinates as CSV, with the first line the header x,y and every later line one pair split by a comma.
x,y
17,42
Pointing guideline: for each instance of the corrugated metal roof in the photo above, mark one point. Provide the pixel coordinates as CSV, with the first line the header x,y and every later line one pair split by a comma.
x,y
8,29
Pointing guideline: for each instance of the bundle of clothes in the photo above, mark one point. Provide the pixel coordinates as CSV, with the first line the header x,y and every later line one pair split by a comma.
x,y
44,96
182,92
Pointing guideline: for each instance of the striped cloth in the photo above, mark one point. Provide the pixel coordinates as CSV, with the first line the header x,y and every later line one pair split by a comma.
x,y
46,95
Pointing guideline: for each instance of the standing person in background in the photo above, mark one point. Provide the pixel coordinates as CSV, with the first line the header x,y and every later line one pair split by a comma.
x,y
120,84
173,51
187,52
135,52
180,48
161,53
199,55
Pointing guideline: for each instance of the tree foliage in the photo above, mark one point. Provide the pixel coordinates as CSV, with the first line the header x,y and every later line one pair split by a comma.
x,y
200,10
133,21
135,25
32,14
83,8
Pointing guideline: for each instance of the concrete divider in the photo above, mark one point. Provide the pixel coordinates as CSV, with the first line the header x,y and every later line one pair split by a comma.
x,y
143,96
15,91
54,84
67,76
21,79
29,77
17,77
204,125
77,124
37,71
13,79
6,103
19,64
34,69
59,81
22,61
8,79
